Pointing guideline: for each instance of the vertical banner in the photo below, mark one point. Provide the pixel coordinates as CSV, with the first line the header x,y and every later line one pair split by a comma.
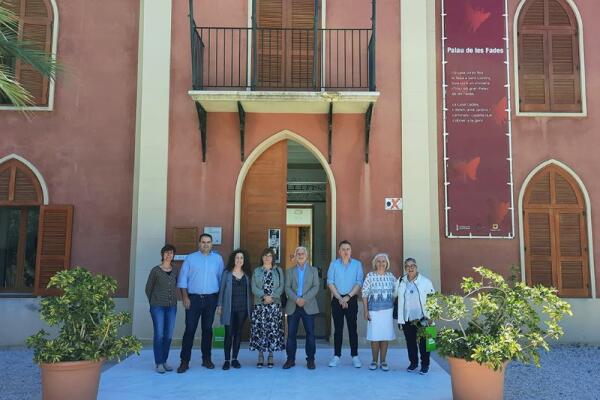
x,y
477,135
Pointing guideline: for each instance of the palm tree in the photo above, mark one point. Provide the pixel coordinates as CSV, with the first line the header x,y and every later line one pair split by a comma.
x,y
12,49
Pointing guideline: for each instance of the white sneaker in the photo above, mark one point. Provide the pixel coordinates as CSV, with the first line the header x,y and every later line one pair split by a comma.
x,y
356,362
334,361
160,369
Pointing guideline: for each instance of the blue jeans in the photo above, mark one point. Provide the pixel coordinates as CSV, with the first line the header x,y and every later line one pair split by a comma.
x,y
309,326
163,321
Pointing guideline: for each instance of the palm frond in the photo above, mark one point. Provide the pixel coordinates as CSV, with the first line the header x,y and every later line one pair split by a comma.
x,y
12,89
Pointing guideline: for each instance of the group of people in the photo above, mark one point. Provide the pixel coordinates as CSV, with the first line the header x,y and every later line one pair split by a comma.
x,y
235,292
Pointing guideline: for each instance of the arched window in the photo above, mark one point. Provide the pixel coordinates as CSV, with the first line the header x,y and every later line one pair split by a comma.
x,y
548,54
556,252
36,23
35,239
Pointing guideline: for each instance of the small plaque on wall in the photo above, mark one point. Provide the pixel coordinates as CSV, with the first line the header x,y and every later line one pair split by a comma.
x,y
185,240
215,232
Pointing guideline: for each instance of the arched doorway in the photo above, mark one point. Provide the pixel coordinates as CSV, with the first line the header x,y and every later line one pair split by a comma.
x,y
285,198
555,233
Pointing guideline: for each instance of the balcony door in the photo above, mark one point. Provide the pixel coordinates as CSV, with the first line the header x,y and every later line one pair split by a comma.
x,y
286,45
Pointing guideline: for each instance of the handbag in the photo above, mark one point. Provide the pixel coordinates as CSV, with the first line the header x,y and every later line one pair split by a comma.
x,y
430,335
218,339
283,297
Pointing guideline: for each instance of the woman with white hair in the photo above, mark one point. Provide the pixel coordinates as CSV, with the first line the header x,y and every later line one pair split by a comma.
x,y
378,301
412,290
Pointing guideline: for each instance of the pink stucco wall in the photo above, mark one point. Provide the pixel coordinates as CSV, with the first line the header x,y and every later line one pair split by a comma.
x,y
202,194
572,141
84,148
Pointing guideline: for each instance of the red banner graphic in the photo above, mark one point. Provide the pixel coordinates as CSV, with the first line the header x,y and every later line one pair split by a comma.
x,y
477,144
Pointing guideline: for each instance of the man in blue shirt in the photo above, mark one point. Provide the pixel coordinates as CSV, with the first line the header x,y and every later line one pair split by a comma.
x,y
199,281
301,288
344,279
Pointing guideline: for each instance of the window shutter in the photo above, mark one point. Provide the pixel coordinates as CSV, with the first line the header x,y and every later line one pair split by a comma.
x,y
302,17
35,27
564,73
539,191
534,92
556,252
18,185
270,43
185,239
549,69
564,193
572,255
539,248
54,245
4,184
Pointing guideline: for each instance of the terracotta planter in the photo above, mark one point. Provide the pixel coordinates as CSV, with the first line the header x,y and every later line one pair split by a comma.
x,y
472,381
73,380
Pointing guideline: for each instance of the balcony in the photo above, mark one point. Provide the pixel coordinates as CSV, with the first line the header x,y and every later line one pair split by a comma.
x,y
283,70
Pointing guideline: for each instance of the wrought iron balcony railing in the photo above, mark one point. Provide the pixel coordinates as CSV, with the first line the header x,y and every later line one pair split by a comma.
x,y
282,59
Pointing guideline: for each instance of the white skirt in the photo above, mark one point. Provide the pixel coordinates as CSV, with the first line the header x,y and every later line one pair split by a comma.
x,y
381,326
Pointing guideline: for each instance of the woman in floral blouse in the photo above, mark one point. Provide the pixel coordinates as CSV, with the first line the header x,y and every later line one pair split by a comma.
x,y
378,301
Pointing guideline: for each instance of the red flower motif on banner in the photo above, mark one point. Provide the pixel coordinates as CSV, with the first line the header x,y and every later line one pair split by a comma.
x,y
498,210
467,169
475,17
499,111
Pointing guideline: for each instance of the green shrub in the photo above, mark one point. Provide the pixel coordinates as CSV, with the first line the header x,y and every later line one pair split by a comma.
x,y
87,320
497,321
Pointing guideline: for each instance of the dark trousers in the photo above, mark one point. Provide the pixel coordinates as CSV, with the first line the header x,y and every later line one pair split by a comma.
x,y
410,334
309,326
200,306
163,322
338,313
233,333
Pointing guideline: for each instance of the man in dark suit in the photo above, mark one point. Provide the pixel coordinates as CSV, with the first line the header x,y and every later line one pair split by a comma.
x,y
301,288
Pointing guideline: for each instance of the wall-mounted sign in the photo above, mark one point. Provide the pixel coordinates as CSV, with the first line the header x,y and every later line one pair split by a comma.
x,y
393,203
476,105
215,232
274,243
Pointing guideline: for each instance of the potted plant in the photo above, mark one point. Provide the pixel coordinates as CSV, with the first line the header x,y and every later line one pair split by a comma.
x,y
88,334
492,323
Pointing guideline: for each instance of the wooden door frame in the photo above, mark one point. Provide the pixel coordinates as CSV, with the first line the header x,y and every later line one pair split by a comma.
x,y
255,154
588,211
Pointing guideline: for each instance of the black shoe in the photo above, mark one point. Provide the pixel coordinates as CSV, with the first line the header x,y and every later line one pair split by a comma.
x,y
424,370
236,364
412,367
226,365
289,364
184,366
310,364
208,364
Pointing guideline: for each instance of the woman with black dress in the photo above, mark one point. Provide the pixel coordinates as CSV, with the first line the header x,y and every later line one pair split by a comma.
x,y
266,332
234,303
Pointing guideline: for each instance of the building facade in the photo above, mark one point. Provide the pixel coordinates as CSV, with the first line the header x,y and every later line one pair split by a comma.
x,y
294,122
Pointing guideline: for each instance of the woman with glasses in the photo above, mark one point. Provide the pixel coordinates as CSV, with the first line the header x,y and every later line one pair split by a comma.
x,y
412,290
266,332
